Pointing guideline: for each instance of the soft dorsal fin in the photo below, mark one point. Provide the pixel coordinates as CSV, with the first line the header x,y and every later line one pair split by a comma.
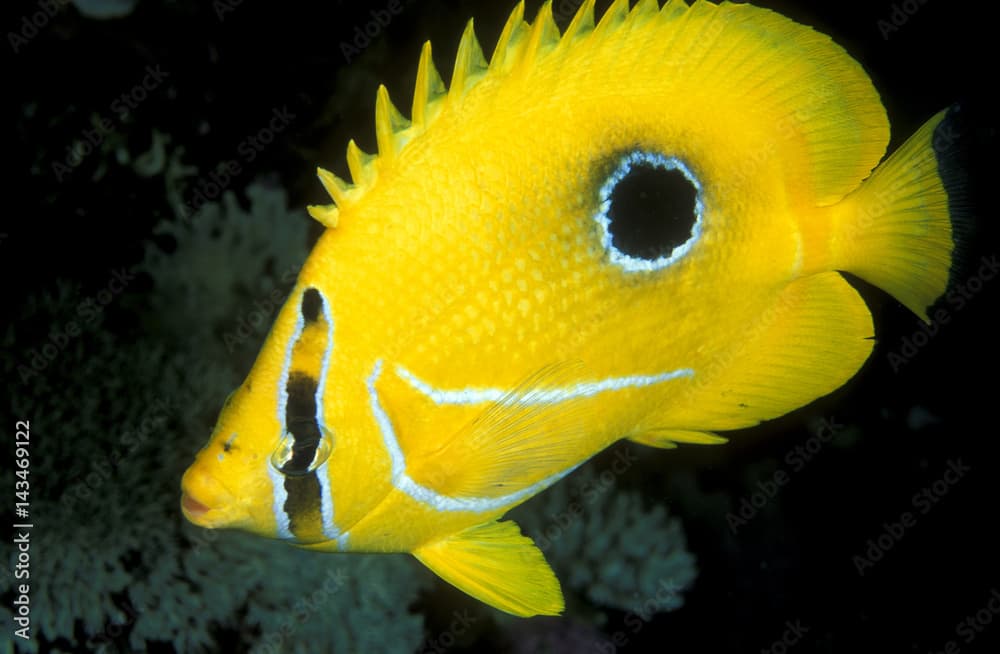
x,y
496,564
529,436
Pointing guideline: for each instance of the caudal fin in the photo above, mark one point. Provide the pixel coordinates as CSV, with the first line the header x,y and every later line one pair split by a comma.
x,y
903,228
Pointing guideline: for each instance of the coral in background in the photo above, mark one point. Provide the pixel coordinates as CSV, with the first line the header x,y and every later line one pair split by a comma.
x,y
231,270
117,415
605,544
118,412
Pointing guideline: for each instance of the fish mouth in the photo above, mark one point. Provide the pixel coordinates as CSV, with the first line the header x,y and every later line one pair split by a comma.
x,y
205,501
192,508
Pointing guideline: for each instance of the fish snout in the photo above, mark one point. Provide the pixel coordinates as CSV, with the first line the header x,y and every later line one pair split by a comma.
x,y
204,500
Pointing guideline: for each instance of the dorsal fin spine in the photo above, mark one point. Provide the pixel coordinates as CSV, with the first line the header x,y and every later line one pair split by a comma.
x,y
359,163
336,187
519,47
327,215
429,89
543,34
645,9
613,17
582,23
469,64
510,28
389,125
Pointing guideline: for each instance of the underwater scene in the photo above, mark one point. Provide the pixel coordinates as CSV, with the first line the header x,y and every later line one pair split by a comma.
x,y
615,342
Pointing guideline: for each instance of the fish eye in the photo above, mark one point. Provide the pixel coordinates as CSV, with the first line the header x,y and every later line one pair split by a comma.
x,y
297,457
650,212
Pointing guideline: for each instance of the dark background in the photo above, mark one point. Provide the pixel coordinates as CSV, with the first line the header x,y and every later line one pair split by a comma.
x,y
229,66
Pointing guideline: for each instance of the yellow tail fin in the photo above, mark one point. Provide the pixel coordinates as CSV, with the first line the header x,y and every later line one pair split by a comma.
x,y
900,228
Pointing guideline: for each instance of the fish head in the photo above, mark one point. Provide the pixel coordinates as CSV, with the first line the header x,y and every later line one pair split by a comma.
x,y
268,467
223,488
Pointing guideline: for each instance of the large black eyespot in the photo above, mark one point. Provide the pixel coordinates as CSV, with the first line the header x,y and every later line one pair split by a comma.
x,y
650,212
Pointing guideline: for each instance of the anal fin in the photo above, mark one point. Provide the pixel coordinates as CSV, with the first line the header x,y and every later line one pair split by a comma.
x,y
809,342
497,565
668,438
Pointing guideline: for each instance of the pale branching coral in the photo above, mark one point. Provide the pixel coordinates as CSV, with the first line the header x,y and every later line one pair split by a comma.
x,y
117,416
604,544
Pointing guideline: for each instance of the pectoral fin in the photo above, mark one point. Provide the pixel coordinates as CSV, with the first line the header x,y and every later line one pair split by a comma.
x,y
526,437
497,565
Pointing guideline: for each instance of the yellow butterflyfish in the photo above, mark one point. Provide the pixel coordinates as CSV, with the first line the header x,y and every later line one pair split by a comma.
x,y
632,229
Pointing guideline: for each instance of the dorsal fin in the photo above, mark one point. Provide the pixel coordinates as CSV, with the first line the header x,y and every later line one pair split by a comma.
x,y
390,125
510,36
361,164
800,88
582,23
429,91
470,65
339,190
543,36
612,18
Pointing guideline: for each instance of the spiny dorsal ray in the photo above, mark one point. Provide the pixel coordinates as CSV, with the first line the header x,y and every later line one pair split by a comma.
x,y
520,46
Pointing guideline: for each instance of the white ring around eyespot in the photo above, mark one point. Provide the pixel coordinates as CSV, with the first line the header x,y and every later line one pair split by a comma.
x,y
638,264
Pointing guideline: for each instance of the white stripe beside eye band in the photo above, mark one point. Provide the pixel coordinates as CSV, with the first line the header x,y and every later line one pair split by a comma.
x,y
474,395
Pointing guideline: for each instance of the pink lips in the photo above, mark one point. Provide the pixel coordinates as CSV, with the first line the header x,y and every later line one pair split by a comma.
x,y
192,506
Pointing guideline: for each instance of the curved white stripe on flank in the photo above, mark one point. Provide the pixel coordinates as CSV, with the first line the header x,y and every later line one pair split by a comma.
x,y
325,367
474,504
385,426
342,541
278,479
430,497
278,506
330,529
545,396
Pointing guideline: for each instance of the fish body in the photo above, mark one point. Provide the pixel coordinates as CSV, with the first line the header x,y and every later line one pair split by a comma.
x,y
477,321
